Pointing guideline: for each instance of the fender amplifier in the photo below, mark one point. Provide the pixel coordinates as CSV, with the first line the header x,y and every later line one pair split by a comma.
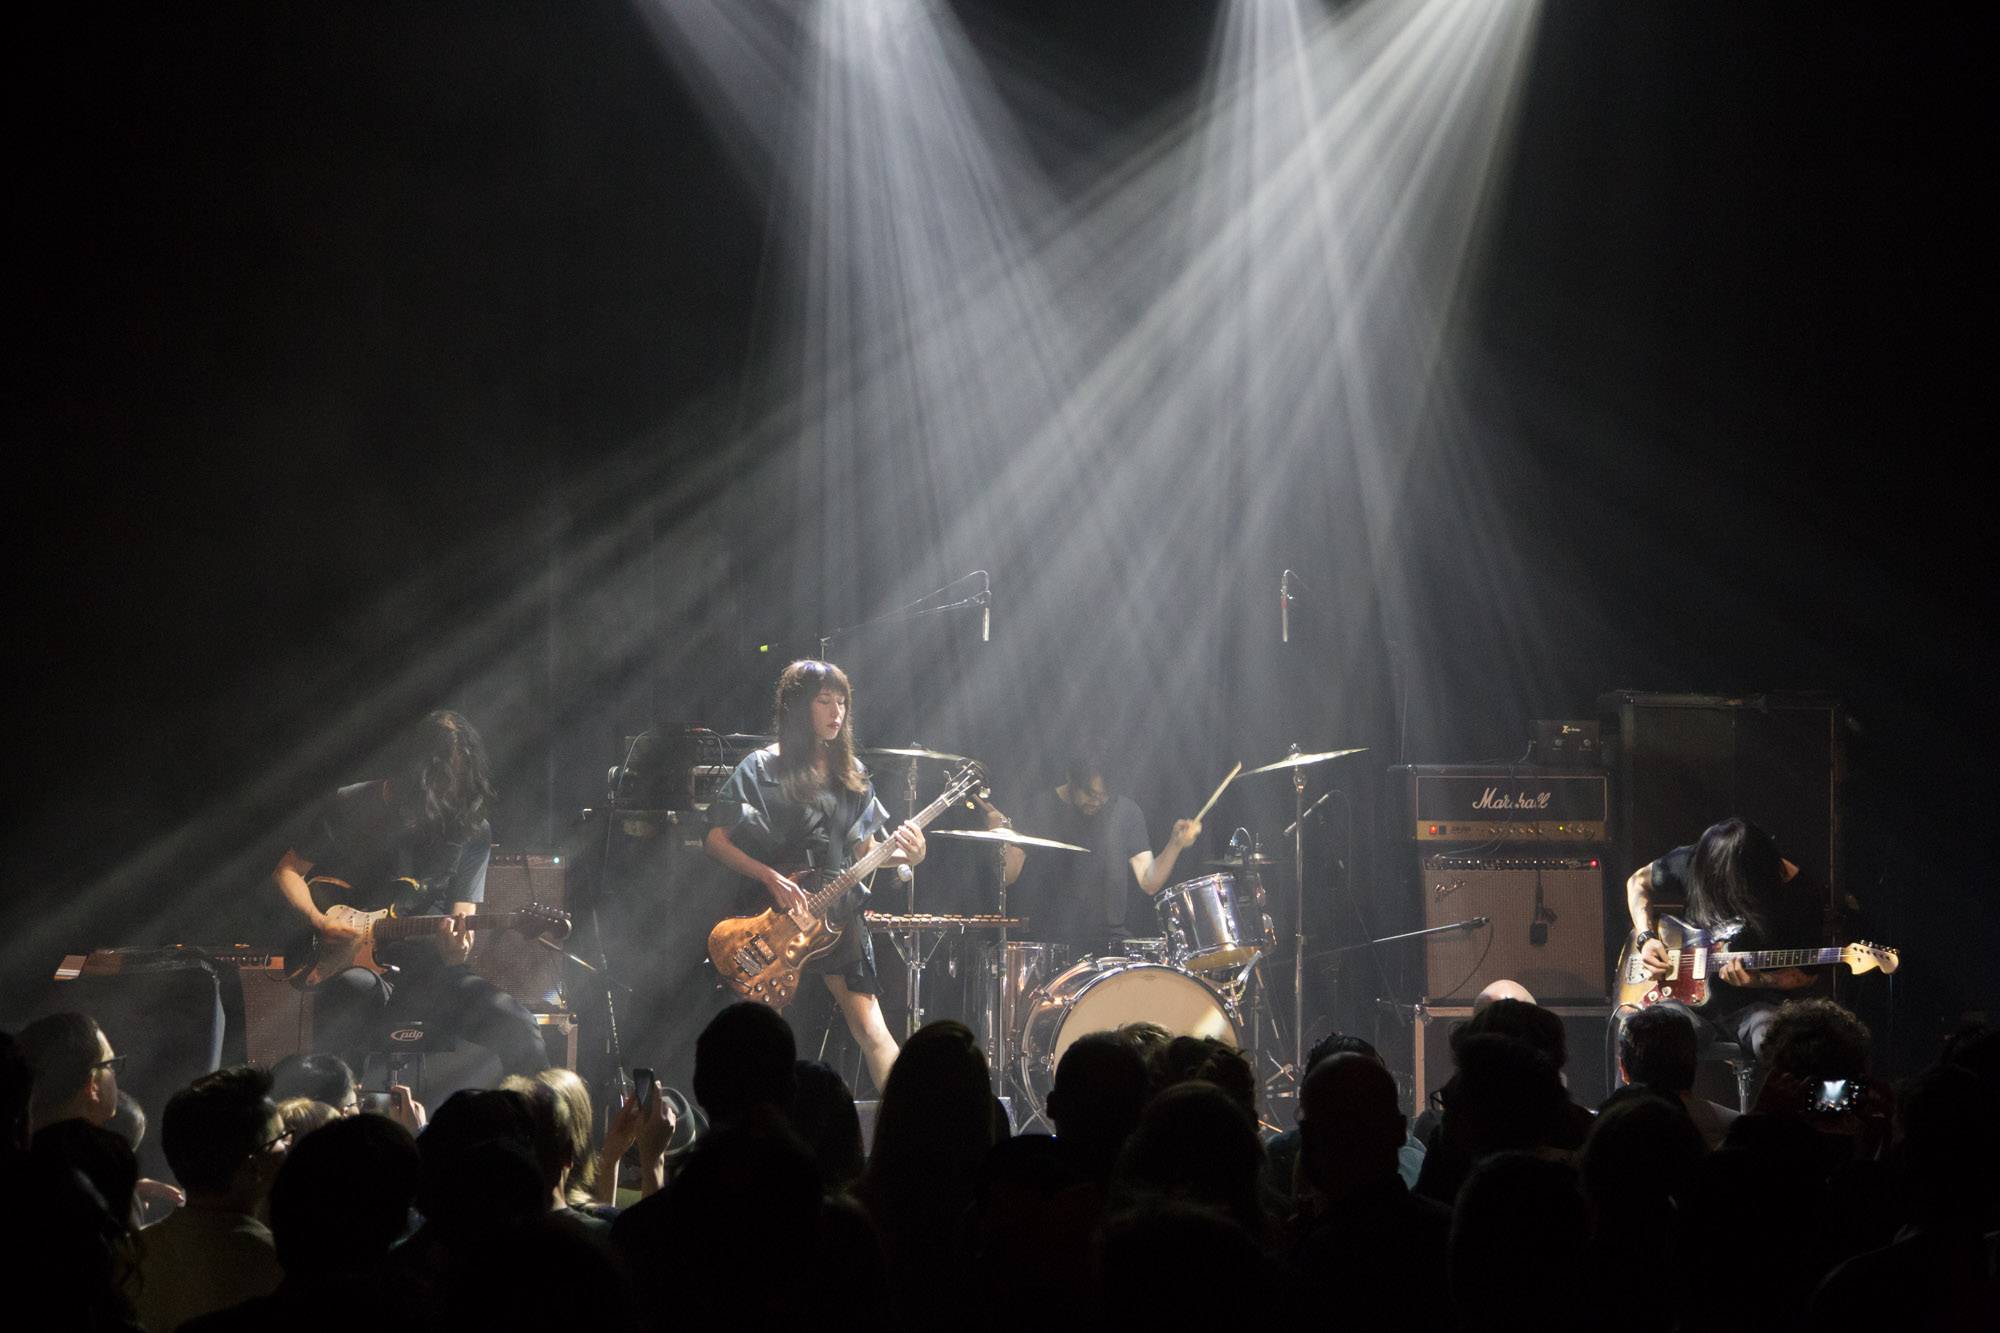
x,y
1546,928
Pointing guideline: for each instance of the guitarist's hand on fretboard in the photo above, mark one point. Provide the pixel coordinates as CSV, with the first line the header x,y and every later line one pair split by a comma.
x,y
454,946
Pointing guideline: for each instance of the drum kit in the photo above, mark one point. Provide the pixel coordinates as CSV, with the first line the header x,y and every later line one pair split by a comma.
x,y
1200,976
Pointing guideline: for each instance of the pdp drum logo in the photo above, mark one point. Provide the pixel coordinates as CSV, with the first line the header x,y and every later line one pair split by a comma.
x,y
407,1035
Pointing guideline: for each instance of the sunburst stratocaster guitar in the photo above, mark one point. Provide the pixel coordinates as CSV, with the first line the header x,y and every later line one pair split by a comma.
x,y
760,956
1699,957
318,958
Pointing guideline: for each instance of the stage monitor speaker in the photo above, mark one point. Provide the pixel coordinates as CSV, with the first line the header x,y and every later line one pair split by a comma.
x,y
1681,762
1546,925
1586,1028
526,969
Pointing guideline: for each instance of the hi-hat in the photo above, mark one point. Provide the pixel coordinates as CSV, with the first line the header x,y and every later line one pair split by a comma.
x,y
1301,760
914,752
1006,837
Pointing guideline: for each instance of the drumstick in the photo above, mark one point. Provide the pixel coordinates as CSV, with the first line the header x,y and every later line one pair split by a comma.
x,y
1218,792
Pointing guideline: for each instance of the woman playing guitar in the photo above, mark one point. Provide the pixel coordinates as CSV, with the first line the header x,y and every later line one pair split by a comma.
x,y
806,803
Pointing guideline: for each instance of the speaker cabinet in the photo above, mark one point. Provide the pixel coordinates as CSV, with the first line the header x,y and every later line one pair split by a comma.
x,y
277,1016
1681,762
526,969
1545,926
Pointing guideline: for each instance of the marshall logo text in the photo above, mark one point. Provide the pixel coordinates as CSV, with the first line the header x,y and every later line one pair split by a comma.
x,y
1492,799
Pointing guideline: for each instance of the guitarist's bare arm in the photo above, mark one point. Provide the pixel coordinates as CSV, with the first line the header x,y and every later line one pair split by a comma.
x,y
1639,902
723,848
290,877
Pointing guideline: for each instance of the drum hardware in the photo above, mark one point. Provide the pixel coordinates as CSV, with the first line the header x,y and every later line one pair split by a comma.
x,y
1296,763
1004,989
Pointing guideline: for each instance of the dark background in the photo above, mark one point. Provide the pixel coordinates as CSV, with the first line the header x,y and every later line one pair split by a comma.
x,y
376,358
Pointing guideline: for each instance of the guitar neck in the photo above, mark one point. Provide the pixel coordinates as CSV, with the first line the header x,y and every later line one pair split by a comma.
x,y
1760,960
873,860
391,928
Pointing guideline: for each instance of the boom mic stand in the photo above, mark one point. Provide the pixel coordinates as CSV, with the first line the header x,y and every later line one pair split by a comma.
x,y
909,944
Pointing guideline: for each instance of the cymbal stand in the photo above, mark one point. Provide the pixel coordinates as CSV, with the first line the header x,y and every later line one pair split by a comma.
x,y
1298,914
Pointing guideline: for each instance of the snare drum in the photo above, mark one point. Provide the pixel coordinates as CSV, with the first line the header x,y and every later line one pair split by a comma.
x,y
1203,929
1100,994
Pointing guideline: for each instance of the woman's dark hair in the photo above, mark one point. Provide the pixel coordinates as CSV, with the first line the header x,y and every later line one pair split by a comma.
x,y
322,1077
798,747
1734,873
445,782
934,1128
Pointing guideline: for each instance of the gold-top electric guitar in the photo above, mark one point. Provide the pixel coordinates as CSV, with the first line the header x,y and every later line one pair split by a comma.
x,y
318,958
1699,957
760,956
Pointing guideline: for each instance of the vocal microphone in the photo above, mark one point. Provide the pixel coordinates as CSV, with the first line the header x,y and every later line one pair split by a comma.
x,y
1474,923
1285,607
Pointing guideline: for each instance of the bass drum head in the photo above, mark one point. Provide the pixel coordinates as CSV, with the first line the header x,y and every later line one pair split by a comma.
x,y
1102,994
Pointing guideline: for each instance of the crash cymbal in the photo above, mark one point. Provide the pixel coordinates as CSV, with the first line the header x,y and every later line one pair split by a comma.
x,y
1256,862
1301,760
1005,836
891,753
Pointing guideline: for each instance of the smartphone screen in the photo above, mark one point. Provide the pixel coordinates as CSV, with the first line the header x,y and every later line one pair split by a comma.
x,y
642,1084
1835,1094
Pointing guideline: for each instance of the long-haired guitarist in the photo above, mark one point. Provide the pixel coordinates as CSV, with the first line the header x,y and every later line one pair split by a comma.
x,y
806,801
1733,874
418,840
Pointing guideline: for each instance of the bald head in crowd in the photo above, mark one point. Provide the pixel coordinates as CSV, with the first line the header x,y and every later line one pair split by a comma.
x,y
1502,989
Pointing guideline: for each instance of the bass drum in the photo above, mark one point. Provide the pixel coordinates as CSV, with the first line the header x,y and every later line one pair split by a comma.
x,y
1099,994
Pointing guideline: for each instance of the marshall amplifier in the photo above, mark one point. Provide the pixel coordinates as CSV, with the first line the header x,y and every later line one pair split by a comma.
x,y
1503,804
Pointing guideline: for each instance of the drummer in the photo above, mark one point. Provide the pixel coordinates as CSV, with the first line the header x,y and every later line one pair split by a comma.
x,y
1088,901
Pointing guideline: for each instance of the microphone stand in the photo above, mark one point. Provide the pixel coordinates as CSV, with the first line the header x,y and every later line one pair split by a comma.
x,y
916,610
910,943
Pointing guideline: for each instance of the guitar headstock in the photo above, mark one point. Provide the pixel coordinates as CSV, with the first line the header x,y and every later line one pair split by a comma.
x,y
547,922
1866,957
968,781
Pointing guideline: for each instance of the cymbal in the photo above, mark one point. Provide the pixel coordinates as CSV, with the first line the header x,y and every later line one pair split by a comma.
x,y
1301,760
1244,862
1006,837
892,752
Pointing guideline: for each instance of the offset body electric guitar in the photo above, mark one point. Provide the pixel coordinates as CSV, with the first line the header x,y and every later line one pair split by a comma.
x,y
760,956
318,958
1701,955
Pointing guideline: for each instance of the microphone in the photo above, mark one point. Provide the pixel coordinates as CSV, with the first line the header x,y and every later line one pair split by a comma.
x,y
1474,923
1285,607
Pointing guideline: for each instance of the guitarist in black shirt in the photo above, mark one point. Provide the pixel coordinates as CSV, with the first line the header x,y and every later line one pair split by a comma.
x,y
1733,876
418,841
